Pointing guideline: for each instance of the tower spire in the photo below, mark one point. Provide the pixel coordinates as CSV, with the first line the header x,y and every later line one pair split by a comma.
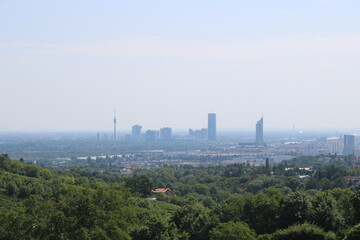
x,y
114,125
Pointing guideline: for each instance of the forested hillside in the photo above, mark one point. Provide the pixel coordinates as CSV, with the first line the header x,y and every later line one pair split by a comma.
x,y
224,202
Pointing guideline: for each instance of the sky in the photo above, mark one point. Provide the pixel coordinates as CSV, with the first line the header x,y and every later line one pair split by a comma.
x,y
67,65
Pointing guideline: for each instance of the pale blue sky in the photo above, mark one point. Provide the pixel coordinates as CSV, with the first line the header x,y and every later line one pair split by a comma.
x,y
65,65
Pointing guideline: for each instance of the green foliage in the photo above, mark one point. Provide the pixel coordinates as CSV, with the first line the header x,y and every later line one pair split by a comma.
x,y
141,185
153,227
222,202
301,232
176,200
354,233
295,209
99,212
343,198
208,202
324,212
355,204
13,225
194,219
267,169
55,208
232,231
18,167
262,210
230,209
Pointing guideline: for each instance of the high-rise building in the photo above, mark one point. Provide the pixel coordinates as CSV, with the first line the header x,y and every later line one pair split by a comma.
x,y
150,135
260,132
198,134
333,145
136,133
114,125
127,137
165,133
212,126
349,145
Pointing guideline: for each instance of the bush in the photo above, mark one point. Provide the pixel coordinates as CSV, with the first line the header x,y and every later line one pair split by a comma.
x,y
301,232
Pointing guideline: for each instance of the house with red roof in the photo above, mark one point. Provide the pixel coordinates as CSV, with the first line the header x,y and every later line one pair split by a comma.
x,y
166,191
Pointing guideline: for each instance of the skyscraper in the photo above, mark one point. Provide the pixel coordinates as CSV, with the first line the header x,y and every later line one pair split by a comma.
x,y
212,126
349,145
165,133
136,133
333,145
198,134
150,135
260,132
115,125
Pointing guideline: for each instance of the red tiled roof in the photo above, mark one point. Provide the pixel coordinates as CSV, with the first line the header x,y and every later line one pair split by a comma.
x,y
161,190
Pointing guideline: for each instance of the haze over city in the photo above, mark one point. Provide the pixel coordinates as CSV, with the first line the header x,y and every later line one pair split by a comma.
x,y
180,120
67,66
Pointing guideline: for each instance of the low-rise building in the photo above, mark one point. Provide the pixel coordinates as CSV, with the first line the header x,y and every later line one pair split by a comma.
x,y
166,191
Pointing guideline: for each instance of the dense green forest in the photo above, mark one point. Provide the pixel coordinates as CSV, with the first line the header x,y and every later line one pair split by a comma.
x,y
271,202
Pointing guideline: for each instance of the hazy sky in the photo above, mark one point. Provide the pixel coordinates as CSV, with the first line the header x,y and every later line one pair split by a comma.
x,y
66,65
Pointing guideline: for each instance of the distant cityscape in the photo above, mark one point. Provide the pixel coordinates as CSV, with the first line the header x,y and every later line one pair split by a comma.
x,y
165,133
127,152
343,145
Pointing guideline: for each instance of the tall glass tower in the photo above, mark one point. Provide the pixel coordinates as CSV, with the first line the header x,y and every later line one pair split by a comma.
x,y
136,133
212,126
115,125
260,132
349,145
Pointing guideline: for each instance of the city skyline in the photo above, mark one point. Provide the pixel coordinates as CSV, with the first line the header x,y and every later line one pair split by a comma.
x,y
183,119
295,62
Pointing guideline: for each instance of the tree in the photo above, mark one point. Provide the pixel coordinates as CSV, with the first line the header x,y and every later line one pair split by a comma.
x,y
153,228
354,233
295,209
261,212
232,231
267,169
11,188
324,212
302,232
355,202
195,219
343,203
231,209
140,184
13,225
32,171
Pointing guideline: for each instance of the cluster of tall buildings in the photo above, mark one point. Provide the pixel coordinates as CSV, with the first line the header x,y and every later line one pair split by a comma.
x,y
334,145
165,134
344,145
208,133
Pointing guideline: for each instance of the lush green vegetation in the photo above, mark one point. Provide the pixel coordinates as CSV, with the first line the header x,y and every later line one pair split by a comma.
x,y
223,202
